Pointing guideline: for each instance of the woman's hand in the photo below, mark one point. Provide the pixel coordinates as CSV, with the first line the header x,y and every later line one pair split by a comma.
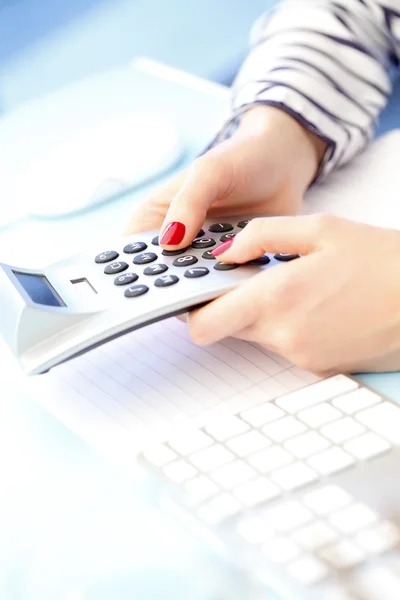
x,y
265,168
335,309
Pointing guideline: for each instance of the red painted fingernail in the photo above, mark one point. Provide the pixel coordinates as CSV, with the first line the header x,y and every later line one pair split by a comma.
x,y
222,248
173,234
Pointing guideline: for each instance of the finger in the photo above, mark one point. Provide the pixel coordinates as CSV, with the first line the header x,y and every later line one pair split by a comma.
x,y
292,235
150,213
241,308
208,179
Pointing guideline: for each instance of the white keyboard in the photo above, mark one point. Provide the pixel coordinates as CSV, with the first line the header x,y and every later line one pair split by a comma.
x,y
303,489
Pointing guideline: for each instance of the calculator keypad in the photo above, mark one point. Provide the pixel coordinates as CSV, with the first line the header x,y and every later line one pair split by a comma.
x,y
155,269
115,267
225,267
203,243
136,290
196,272
146,257
185,261
126,279
220,227
135,247
166,280
106,256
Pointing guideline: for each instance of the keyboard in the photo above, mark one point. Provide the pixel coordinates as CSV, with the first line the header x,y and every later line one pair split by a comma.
x,y
303,490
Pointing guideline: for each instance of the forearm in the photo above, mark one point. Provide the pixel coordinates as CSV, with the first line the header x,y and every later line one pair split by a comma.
x,y
327,65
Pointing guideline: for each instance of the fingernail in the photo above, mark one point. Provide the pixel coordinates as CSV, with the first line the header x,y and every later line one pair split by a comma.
x,y
173,234
222,248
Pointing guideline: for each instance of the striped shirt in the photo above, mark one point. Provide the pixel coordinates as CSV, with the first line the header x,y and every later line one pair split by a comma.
x,y
329,64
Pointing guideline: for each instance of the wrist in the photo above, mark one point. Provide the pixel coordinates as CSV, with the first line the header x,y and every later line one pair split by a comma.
x,y
300,146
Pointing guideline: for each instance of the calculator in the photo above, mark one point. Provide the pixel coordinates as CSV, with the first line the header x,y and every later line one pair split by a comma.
x,y
51,315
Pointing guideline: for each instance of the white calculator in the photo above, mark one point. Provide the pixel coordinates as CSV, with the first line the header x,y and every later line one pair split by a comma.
x,y
52,315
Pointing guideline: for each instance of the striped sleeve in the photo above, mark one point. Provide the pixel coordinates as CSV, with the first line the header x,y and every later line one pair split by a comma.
x,y
329,64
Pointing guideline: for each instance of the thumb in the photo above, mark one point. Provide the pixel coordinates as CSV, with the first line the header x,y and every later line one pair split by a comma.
x,y
208,179
291,235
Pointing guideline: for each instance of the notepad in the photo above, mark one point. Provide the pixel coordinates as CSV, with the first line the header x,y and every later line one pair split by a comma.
x,y
141,388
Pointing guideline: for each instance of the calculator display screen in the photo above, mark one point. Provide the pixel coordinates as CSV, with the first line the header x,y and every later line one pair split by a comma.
x,y
39,289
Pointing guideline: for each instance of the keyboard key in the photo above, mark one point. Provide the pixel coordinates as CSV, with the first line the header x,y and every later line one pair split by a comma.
x,y
287,515
357,400
379,539
248,443
367,446
319,415
185,261
106,256
226,427
327,499
314,536
136,290
256,491
308,570
135,247
331,461
125,279
377,583
155,269
159,455
383,419
144,258
232,474
280,550
220,508
220,227
316,393
284,429
203,243
179,471
307,444
115,267
294,476
353,518
254,530
190,442
211,458
343,555
262,414
199,489
342,430
166,280
270,459
196,272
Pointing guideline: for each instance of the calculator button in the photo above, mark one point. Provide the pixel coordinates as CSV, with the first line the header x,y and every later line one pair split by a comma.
x,y
174,252
196,272
185,261
203,243
136,290
146,257
200,234
226,237
155,269
220,227
208,256
134,247
286,257
106,256
260,261
116,267
154,241
125,279
225,267
166,280
242,224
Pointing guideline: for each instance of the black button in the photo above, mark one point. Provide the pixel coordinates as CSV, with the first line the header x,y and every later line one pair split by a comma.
x,y
166,280
242,224
146,257
125,279
220,227
185,261
154,241
286,257
116,267
261,260
208,256
136,290
200,234
174,252
226,237
225,267
134,247
106,256
155,269
203,243
196,272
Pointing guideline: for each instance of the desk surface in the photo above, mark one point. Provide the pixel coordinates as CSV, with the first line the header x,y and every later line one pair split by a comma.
x,y
72,529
